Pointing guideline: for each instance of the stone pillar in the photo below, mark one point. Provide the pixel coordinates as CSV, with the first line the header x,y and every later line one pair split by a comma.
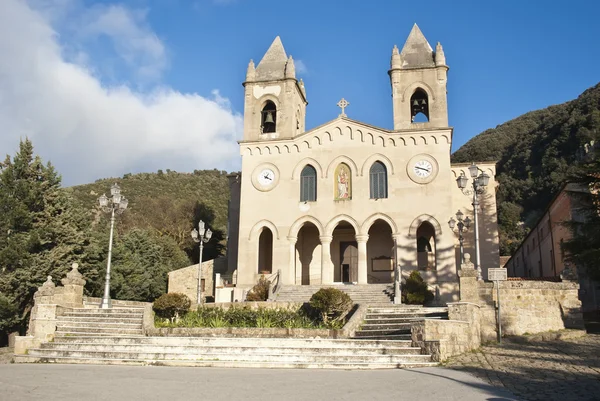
x,y
469,287
326,263
397,270
72,291
291,276
362,239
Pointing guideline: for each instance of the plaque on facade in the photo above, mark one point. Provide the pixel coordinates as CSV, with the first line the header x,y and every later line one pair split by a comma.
x,y
382,264
497,274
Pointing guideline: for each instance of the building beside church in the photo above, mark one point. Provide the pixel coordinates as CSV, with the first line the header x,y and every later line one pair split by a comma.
x,y
346,201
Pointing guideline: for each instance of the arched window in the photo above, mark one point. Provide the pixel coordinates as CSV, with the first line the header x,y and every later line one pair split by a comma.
x,y
308,184
419,106
378,180
268,122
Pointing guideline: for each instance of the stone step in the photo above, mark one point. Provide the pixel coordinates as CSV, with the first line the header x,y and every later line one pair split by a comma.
x,y
99,330
98,325
223,364
381,332
210,349
246,357
76,334
396,337
234,341
386,326
405,316
404,309
103,315
391,320
136,320
107,311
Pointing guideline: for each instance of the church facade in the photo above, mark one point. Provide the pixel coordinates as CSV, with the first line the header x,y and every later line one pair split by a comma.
x,y
346,202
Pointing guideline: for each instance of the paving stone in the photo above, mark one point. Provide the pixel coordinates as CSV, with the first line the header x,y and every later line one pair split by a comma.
x,y
562,370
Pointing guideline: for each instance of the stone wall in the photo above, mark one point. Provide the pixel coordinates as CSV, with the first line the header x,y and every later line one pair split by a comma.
x,y
445,338
185,280
531,307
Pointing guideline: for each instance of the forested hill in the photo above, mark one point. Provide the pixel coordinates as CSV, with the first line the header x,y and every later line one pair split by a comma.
x,y
535,152
167,204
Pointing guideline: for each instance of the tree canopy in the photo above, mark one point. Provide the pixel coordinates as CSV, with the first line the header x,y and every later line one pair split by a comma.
x,y
535,154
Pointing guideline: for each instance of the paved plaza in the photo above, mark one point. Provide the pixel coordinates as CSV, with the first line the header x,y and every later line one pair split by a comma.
x,y
554,370
97,382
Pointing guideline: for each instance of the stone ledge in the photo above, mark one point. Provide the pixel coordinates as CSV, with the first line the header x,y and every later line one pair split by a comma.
x,y
243,332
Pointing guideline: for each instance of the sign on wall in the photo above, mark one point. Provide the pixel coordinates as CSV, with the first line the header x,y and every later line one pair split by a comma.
x,y
497,274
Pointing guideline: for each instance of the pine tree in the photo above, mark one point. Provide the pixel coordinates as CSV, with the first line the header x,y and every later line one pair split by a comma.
x,y
41,233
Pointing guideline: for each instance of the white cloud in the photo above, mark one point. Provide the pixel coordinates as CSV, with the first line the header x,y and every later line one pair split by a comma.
x,y
91,131
133,40
300,67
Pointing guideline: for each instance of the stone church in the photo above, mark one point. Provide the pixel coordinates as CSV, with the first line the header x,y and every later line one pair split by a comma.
x,y
345,202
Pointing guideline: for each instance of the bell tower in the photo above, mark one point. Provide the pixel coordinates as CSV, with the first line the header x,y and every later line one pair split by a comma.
x,y
418,76
274,101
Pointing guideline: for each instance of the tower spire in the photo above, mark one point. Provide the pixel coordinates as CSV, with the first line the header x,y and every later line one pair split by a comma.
x,y
272,66
417,52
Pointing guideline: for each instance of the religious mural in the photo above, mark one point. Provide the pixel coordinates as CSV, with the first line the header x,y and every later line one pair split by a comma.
x,y
343,182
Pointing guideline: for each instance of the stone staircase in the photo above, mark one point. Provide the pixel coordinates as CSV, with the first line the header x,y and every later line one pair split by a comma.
x,y
393,322
361,294
92,321
229,352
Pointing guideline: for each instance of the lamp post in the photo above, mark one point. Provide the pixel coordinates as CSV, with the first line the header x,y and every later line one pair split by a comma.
x,y
114,205
479,182
200,235
463,225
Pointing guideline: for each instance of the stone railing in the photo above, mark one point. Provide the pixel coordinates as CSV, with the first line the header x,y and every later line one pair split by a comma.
x,y
49,302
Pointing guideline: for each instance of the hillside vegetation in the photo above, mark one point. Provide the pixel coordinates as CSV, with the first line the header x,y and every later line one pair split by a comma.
x,y
536,153
168,204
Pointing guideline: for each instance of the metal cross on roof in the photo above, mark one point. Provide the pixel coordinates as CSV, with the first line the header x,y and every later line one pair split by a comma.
x,y
342,104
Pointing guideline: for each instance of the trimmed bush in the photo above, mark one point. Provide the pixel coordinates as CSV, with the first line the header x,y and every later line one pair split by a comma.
x,y
260,292
415,291
171,305
332,305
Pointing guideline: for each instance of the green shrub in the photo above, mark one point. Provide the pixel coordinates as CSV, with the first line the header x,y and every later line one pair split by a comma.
x,y
332,305
415,291
171,305
260,292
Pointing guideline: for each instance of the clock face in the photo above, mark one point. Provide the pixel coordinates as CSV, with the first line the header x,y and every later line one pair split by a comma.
x,y
423,168
266,177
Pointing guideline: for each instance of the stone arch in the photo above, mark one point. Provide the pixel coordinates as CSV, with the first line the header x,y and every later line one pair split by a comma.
x,y
316,140
410,89
446,137
341,159
412,231
297,225
435,141
258,150
424,140
305,145
377,157
366,225
308,160
257,228
337,219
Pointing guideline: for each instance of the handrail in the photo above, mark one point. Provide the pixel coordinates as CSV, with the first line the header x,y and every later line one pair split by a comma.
x,y
274,284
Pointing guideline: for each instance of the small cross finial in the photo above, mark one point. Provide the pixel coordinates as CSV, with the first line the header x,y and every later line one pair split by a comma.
x,y
342,104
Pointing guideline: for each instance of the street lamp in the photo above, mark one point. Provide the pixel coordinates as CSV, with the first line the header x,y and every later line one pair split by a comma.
x,y
117,204
480,181
463,225
200,235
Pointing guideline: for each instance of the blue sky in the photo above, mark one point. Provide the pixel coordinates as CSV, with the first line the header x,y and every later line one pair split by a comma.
x,y
157,83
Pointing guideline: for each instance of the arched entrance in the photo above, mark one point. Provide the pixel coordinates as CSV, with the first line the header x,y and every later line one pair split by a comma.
x,y
380,253
308,255
265,251
426,252
344,253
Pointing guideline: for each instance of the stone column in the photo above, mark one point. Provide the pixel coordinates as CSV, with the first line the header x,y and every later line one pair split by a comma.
x,y
292,278
72,293
326,263
362,239
397,270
